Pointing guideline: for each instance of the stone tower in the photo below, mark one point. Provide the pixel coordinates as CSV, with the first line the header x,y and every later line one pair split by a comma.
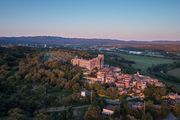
x,y
101,59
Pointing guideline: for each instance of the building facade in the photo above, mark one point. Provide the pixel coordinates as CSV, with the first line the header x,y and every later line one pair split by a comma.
x,y
97,62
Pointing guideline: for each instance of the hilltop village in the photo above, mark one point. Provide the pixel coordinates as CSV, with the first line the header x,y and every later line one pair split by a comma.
x,y
131,85
135,83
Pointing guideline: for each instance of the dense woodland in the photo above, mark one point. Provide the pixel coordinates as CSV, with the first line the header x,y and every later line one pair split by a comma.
x,y
31,81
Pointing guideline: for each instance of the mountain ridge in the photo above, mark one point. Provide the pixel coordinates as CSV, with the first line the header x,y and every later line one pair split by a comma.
x,y
58,40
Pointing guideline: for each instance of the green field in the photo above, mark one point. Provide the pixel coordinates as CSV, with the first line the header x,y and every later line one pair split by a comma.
x,y
175,72
143,62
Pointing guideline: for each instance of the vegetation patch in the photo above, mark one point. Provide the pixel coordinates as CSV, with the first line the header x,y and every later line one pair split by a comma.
x,y
143,62
175,73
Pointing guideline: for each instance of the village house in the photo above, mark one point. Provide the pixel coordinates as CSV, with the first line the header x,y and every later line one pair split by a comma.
x,y
108,110
136,105
108,74
172,96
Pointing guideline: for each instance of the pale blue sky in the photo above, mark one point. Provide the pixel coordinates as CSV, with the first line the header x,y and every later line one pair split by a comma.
x,y
116,19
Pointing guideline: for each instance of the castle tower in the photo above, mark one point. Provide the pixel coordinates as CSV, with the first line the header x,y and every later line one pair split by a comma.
x,y
101,59
97,62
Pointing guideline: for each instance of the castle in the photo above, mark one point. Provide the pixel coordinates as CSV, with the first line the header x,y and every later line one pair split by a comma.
x,y
97,62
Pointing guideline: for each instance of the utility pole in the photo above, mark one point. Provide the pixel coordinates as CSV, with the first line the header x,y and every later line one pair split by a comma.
x,y
91,96
144,107
119,108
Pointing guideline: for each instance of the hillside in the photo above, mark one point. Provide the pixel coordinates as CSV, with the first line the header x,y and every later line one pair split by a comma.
x,y
76,41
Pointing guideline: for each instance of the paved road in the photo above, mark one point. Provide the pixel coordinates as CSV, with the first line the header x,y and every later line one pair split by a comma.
x,y
59,109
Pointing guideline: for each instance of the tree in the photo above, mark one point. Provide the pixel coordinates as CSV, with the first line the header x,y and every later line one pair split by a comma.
x,y
112,92
77,77
76,87
177,110
154,93
16,114
69,113
164,109
42,115
69,84
124,108
149,104
147,116
93,113
137,113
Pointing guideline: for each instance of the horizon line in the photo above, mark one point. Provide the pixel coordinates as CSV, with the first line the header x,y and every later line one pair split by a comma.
x,y
90,38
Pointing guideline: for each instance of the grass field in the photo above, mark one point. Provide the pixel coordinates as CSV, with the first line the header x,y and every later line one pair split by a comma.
x,y
175,72
143,62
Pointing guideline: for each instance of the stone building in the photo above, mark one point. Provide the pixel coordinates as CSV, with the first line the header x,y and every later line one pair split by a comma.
x,y
97,62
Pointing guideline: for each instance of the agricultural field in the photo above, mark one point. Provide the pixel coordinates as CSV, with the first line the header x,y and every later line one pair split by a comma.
x,y
143,62
175,72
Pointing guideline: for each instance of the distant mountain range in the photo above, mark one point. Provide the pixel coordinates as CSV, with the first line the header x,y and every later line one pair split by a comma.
x,y
53,40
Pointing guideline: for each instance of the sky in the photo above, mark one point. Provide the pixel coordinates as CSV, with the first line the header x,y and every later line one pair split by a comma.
x,y
111,19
